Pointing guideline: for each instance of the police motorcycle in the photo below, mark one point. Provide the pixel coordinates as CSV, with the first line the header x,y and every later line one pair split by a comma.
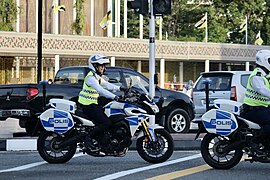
x,y
132,117
229,137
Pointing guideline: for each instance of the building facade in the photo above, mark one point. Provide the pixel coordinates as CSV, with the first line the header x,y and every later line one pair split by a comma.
x,y
176,62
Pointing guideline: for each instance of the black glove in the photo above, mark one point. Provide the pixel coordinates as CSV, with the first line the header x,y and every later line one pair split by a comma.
x,y
123,88
116,98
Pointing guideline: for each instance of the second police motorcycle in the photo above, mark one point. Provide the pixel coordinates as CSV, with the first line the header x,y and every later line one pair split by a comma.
x,y
132,117
229,136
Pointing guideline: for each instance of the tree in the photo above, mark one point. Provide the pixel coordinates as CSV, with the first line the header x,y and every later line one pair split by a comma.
x,y
79,25
8,15
224,20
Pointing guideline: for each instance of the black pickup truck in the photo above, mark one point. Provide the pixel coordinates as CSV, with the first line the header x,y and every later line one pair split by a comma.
x,y
26,101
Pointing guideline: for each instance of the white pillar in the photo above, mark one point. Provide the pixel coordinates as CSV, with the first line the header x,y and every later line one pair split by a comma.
x,y
17,67
139,67
51,76
125,18
109,28
229,67
112,61
141,26
220,66
162,73
33,75
56,20
181,72
57,63
247,66
207,66
12,72
117,18
160,27
18,17
36,16
47,73
92,17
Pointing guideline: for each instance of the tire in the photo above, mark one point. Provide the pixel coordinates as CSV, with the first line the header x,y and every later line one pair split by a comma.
x,y
211,150
46,149
156,152
178,121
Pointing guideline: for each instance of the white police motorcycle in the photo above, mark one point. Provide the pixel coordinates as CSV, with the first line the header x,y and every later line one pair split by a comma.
x,y
133,117
229,136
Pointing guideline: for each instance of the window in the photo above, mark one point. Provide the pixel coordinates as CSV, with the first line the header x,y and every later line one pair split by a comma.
x,y
219,82
244,80
70,76
113,77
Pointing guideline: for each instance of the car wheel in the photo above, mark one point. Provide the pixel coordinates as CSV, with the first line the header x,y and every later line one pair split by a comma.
x,y
178,121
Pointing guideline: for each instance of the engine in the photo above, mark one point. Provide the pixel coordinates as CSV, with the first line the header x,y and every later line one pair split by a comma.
x,y
115,140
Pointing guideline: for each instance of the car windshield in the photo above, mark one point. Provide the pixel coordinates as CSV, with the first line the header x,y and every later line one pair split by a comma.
x,y
219,82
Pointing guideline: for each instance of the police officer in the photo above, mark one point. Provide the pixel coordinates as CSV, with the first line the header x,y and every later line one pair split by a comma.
x,y
89,94
257,96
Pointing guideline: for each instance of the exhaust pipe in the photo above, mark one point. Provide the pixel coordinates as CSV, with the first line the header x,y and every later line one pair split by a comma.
x,y
71,141
235,145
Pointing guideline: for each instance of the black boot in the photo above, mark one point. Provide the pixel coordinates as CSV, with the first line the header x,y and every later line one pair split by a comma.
x,y
91,144
257,146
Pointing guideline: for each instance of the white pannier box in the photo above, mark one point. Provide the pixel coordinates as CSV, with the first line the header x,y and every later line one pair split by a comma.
x,y
228,105
63,104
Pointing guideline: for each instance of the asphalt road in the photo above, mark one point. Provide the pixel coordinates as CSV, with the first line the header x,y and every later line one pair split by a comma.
x,y
187,165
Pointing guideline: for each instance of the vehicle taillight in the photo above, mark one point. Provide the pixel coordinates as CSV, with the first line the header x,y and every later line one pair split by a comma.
x,y
233,93
31,93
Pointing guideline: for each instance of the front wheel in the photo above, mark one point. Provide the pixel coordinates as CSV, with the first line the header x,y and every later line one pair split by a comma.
x,y
158,151
212,150
49,150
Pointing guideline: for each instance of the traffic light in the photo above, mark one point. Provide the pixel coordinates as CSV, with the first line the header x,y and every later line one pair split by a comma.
x,y
162,7
141,6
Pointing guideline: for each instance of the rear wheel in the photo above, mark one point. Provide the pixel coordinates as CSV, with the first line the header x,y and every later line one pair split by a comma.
x,y
212,150
49,150
178,121
156,152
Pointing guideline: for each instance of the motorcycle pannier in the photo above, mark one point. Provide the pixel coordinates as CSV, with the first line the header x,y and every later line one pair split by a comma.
x,y
219,122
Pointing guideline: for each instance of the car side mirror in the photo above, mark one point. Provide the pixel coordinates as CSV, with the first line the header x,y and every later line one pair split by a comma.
x,y
156,79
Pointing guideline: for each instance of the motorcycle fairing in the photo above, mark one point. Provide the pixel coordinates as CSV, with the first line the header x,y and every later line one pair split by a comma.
x,y
56,120
134,122
114,108
219,122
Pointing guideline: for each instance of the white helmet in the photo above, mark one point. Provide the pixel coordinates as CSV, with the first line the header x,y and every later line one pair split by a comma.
x,y
263,59
97,59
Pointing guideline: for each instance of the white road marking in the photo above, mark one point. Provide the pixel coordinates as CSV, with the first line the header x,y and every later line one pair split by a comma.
x,y
132,171
28,166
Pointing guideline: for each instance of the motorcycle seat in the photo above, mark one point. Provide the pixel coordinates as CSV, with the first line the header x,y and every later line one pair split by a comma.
x,y
250,124
79,112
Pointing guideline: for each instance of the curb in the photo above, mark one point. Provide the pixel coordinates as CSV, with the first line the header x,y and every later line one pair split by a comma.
x,y
30,144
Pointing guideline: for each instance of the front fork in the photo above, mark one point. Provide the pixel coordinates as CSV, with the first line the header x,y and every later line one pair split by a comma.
x,y
149,129
150,134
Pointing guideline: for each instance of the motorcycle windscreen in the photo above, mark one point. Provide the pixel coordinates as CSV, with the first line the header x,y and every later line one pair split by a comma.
x,y
56,120
219,122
